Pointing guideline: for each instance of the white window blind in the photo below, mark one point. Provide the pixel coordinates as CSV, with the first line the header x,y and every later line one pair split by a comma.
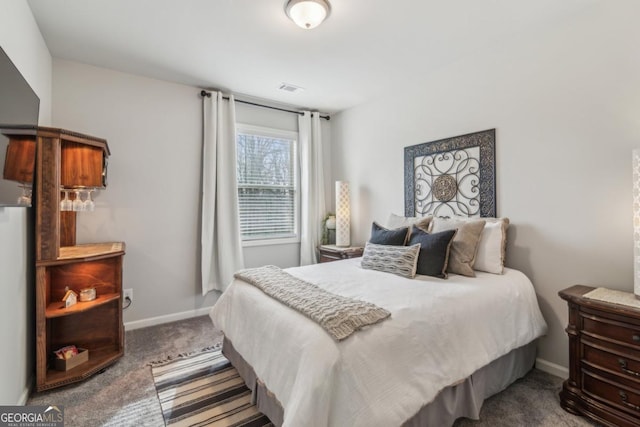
x,y
267,184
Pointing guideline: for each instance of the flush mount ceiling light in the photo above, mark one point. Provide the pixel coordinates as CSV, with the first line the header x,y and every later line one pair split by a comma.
x,y
307,14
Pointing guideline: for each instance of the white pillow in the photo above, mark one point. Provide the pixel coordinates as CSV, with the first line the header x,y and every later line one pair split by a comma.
x,y
492,246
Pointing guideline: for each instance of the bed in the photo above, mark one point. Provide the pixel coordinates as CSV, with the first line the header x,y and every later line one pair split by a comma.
x,y
447,346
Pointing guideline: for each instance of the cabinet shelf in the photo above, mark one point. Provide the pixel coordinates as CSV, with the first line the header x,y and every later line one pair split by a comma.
x,y
57,309
91,250
86,252
98,360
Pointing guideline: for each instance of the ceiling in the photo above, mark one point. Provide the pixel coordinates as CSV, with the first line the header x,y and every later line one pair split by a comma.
x,y
364,49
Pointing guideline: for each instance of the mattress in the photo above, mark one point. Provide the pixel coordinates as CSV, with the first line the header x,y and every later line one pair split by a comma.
x,y
440,332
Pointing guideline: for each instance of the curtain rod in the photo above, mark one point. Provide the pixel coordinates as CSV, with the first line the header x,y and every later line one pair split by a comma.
x,y
204,93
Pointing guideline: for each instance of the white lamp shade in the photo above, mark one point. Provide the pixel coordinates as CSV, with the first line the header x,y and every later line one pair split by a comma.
x,y
343,214
636,222
307,14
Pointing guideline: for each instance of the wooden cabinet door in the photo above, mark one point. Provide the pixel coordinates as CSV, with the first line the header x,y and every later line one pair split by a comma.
x,y
81,165
20,160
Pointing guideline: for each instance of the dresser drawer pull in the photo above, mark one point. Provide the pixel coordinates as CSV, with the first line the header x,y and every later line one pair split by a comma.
x,y
635,338
625,369
624,398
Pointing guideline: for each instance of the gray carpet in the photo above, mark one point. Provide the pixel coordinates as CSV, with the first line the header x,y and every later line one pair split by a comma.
x,y
530,401
124,395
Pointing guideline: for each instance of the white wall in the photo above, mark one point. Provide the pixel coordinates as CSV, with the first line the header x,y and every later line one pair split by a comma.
x,y
566,106
21,40
153,129
154,132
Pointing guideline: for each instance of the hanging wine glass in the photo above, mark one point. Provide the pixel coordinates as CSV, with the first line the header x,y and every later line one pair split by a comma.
x,y
25,197
78,205
66,204
89,205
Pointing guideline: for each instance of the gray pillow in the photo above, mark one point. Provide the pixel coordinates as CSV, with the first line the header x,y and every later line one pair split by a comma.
x,y
434,251
492,246
383,236
465,243
400,260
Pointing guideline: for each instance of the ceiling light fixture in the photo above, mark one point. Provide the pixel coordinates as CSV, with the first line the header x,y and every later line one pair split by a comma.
x,y
307,14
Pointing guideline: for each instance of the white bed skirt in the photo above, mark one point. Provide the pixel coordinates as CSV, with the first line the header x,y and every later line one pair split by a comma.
x,y
462,400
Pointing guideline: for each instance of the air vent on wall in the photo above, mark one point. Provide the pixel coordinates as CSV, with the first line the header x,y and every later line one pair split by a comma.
x,y
290,88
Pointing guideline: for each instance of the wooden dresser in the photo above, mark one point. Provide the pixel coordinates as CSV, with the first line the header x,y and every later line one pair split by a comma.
x,y
604,360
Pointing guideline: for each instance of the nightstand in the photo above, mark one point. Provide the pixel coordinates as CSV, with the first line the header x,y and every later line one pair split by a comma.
x,y
604,356
330,253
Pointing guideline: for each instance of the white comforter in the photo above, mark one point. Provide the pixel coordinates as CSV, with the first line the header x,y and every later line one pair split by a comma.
x,y
440,332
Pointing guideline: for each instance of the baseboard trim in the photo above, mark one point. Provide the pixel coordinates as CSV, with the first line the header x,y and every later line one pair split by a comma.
x,y
552,368
22,400
158,320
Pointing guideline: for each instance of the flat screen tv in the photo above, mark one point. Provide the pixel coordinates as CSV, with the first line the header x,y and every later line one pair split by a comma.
x,y
19,108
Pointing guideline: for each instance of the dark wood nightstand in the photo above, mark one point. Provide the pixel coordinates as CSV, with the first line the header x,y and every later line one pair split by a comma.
x,y
604,358
330,253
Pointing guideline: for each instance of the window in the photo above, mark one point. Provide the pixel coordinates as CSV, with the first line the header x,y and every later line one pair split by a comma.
x,y
267,173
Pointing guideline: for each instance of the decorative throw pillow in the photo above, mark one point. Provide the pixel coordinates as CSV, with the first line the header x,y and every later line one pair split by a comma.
x,y
400,260
465,243
397,221
383,236
492,247
434,251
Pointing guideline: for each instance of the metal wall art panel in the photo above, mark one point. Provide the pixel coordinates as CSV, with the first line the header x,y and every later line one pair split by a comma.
x,y
452,176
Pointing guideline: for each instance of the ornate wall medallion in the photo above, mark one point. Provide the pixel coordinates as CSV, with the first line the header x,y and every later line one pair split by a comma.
x,y
445,188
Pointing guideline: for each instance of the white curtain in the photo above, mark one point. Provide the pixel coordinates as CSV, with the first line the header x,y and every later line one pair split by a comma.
x,y
220,241
312,204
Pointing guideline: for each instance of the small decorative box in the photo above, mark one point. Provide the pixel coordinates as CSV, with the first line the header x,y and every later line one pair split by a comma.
x,y
66,364
88,294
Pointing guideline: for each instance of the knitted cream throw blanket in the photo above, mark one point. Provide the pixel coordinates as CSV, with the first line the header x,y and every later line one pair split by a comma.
x,y
339,316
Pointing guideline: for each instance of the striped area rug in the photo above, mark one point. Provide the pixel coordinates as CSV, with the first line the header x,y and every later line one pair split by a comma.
x,y
203,389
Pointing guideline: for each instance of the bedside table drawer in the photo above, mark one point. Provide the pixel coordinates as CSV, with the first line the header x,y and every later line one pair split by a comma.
x,y
331,257
330,253
618,363
611,330
611,393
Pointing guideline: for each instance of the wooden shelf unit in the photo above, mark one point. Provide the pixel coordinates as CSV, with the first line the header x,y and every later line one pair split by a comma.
x,y
70,160
55,229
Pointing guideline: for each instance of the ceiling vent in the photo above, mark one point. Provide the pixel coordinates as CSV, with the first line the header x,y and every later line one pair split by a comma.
x,y
290,88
